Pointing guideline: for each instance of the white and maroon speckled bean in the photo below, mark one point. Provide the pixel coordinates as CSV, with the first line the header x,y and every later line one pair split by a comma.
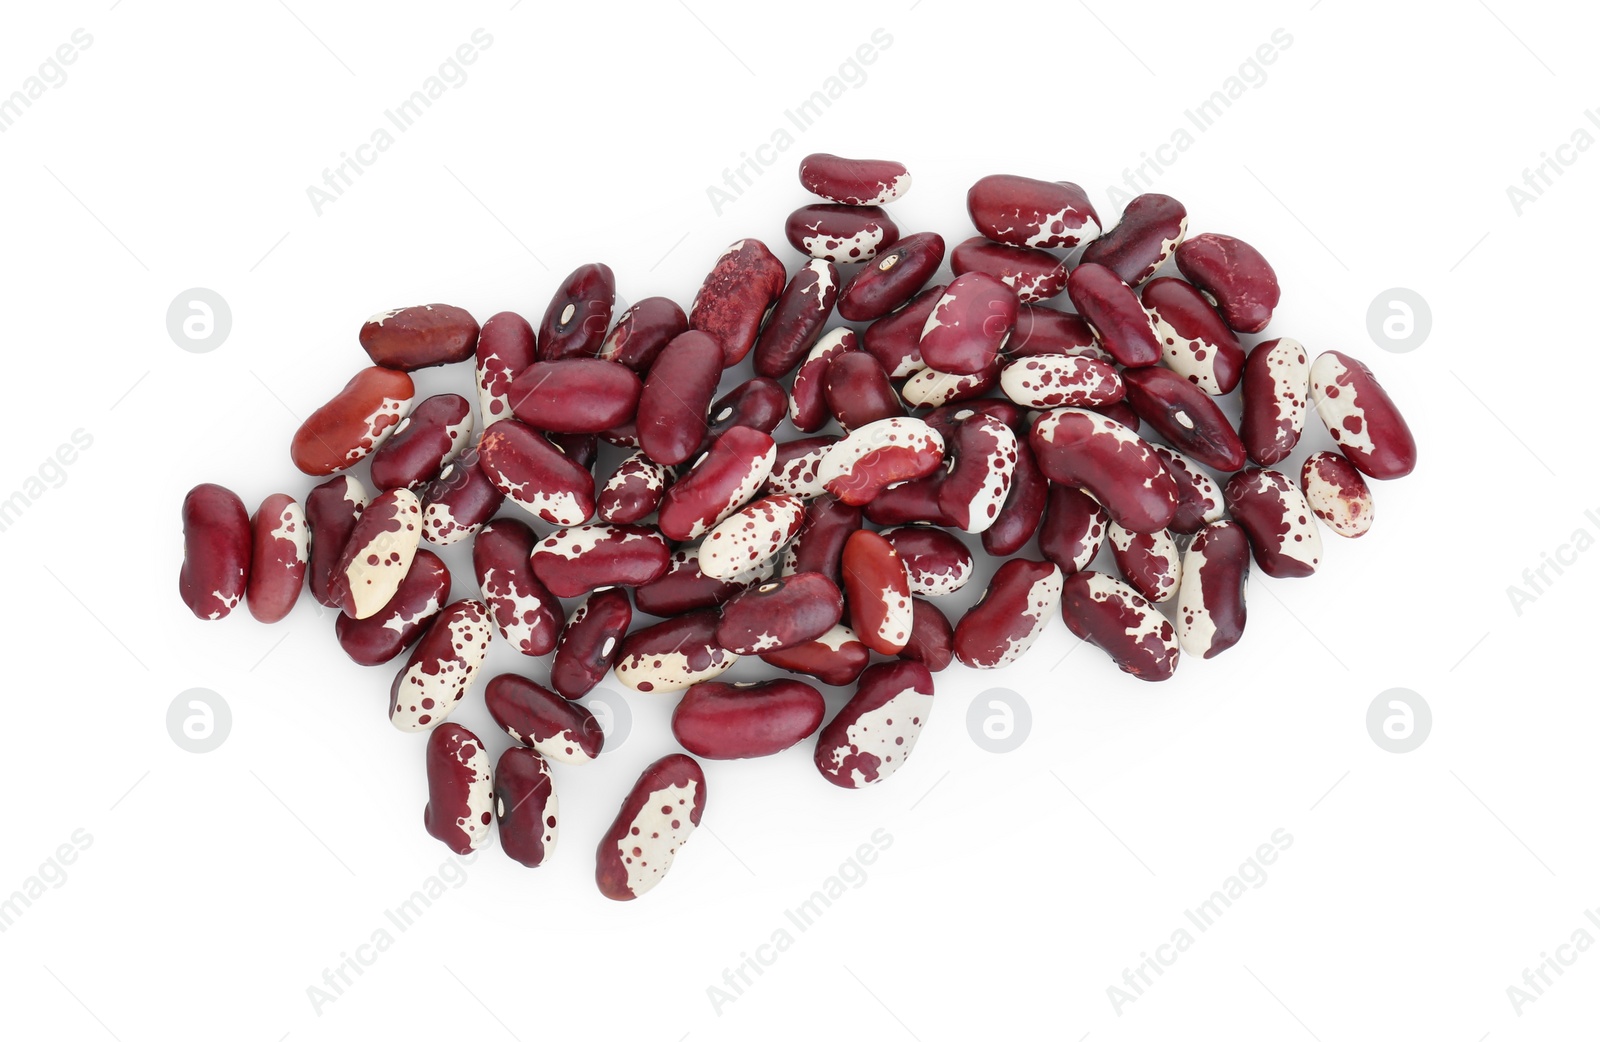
x,y
929,388
1010,615
1211,596
808,405
506,346
873,457
937,563
1276,378
1113,617
854,182
280,552
460,803
1361,417
656,819
673,655
527,615
634,490
441,668
378,553
574,561
525,806
1195,342
559,729
751,536
1336,492
878,591
874,734
1051,381
1276,516
1147,560
1199,495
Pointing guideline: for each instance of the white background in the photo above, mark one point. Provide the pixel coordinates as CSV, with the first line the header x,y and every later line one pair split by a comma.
x,y
217,887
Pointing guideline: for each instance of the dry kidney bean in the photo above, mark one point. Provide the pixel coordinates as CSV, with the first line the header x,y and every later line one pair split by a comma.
x,y
820,544
280,550
798,467
676,395
656,819
525,806
1152,226
441,667
983,452
910,502
949,418
1148,561
932,640
506,346
737,721
874,733
751,536
582,449
575,323
1276,377
353,423
1277,518
460,789
673,655
759,403
1115,313
836,658
842,234
633,491
1021,211
1023,509
535,475
1119,411
1010,615
1195,342
1051,381
894,277
573,561
685,587
797,318
936,562
858,392
332,509
734,298
1033,275
527,615
1361,417
1199,497
378,554
1184,415
642,331
1046,331
808,405
731,472
969,325
1073,530
590,642
1216,570
556,728
894,339
575,395
1113,617
880,454
854,182
216,551
419,337
878,590
1332,487
455,505
780,613
931,388
380,637
1232,273
1115,465
431,435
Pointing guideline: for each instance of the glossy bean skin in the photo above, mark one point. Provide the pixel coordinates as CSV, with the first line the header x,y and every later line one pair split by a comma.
x,y
1148,561
969,325
1115,313
759,403
457,503
797,319
676,395
751,536
1119,411
780,613
460,803
378,554
582,449
1073,530
685,588
655,820
929,388
535,475
894,340
738,721
353,423
1022,211
1010,615
575,395
1151,228
1051,381
1046,331
673,655
1023,509
908,503
1113,617
819,546
933,639
575,322
1115,465
527,615
574,561
419,337
1188,418
642,331
525,806
431,435
854,182
1199,495
745,281
937,563
1195,342
858,392
726,478
590,642
874,456
1361,417
836,658
1211,595
1234,274
1033,275
841,234
1275,515
1336,493
873,735
878,590
506,346
216,552
983,453
896,275
332,509
557,728
1276,382
280,550
634,490
441,667
382,636
949,418
797,469
808,404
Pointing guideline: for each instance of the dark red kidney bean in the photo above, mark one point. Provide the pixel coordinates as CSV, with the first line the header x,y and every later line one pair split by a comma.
x,y
280,550
1185,415
878,589
969,324
1046,331
575,395
556,728
820,544
1234,275
745,281
983,453
738,721
380,637
460,804
1195,342
642,331
1276,379
858,392
842,234
575,323
933,641
1119,411
1010,615
506,346
419,337
895,276
1051,381
948,419
535,475
1024,212
726,478
433,434
893,339
590,642
1361,417
877,455
759,403
456,503
798,466
582,449
573,561
1216,570
936,562
908,503
1199,497
354,422
634,490
378,554
1073,529
685,588
525,806
797,319
1023,509
1332,486
676,395
441,668
1275,515
780,613
673,655
808,405
1115,313
751,536
1151,227
1115,465
854,182
527,615
874,733
1033,275
332,509
836,658
216,551
1113,617
933,389
1148,561
656,819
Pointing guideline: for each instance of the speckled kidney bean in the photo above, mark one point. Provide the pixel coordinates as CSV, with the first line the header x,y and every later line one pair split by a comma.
x,y
933,639
745,281
1232,273
642,331
216,551
634,490
673,655
896,274
460,804
1022,211
590,642
738,721
948,419
932,389
875,732
353,423
798,466
1199,496
431,435
378,554
575,323
1216,571
797,319
573,561
458,502
1151,228
858,392
982,452
557,728
1010,615
723,480
1113,617
525,806
820,544
758,403
854,182
751,536
1148,561
1185,415
1277,375
332,509
441,667
506,346
1073,530
380,637
535,475
1051,381
1046,331
685,588
1361,417
1119,411
419,337
1023,509
936,562
1333,488
808,405
657,817
676,395
1115,313
1033,275
1115,465
969,325
878,590
780,613
280,551
842,234
527,615
1195,342
893,339
1278,520
836,658
871,458
575,395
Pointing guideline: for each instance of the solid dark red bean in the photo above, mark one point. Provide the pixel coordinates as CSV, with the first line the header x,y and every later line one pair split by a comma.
x,y
1195,342
1120,469
1046,331
380,637
677,393
878,589
1023,509
575,395
1234,274
780,613
969,324
727,477
1185,415
455,504
419,337
836,658
377,554
858,392
525,806
353,423
896,274
1113,617
527,614
933,639
575,323
936,562
441,668
557,728
332,509
1033,275
216,551
872,736
433,434
1275,515
460,789
673,655
634,490
506,346
1211,608
642,331
573,561
535,475
854,182
1022,211
1274,390
1073,528
1151,228
842,234
758,403
685,588
655,820
1115,313
1008,618
808,405
818,547
737,721
797,319
894,339
280,545
745,281
908,503
590,642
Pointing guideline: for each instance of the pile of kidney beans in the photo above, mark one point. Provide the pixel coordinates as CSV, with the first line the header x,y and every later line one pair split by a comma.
x,y
969,406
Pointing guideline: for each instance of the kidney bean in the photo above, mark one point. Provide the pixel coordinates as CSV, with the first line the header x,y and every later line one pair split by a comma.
x,y
1195,342
1115,465
1361,417
332,509
1021,211
1023,509
634,490
797,469
1199,497
1151,228
780,613
858,392
378,554
720,482
808,405
655,821
216,551
280,550
1114,618
751,536
460,789
894,339
527,615
759,403
820,543
676,395
441,667
874,733
983,452
738,721
1148,561
573,561
1046,331
532,714
575,395
1275,515
506,346
1033,275
433,434
1119,411
1184,415
894,277
797,318
1073,530
969,325
535,475
929,387
354,422
380,637
1276,377
1050,381
1010,614
525,806
642,331
673,655
836,658
1234,275
419,337
575,323
878,589
734,298
947,419
1116,315
456,503
842,234
932,640
936,562
909,503
874,456
685,588
590,642
1332,487
854,182
1216,571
